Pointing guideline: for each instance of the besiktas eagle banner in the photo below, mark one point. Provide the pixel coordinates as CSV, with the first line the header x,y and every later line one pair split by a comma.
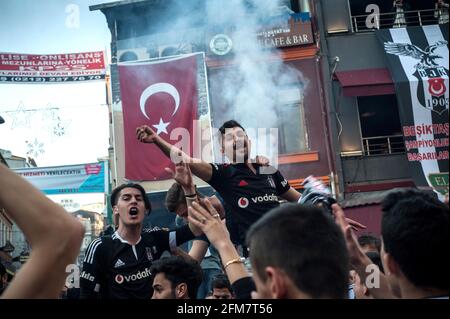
x,y
418,61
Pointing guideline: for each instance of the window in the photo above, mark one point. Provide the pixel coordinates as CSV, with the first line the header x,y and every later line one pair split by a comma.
x,y
380,125
291,128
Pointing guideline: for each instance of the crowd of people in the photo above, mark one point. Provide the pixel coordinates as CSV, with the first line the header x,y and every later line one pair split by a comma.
x,y
242,242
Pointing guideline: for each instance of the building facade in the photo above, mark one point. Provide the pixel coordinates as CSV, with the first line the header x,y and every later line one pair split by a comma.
x,y
370,152
316,64
94,223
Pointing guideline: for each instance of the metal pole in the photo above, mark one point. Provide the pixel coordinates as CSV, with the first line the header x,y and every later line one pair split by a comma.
x,y
304,5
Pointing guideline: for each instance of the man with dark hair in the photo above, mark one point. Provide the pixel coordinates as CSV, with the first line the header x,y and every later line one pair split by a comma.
x,y
415,236
199,248
114,198
118,266
369,242
176,278
286,265
247,187
243,185
221,288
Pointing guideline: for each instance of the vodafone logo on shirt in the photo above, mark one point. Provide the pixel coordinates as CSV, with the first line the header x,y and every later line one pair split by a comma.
x,y
119,279
243,202
266,198
133,277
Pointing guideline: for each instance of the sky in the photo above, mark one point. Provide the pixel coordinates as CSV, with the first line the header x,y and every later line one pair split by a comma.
x,y
59,124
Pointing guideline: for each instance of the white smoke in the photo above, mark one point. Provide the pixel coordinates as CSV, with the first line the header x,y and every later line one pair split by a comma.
x,y
250,86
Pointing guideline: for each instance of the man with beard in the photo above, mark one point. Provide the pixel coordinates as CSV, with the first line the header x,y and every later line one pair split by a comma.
x,y
248,188
176,278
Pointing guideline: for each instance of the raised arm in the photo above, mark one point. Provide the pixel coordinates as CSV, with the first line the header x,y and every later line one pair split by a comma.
x,y
183,176
209,221
199,168
358,259
54,235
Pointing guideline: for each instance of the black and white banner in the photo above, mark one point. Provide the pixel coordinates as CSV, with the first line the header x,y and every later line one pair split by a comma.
x,y
418,61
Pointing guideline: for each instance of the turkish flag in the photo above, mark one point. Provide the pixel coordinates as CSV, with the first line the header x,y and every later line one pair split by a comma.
x,y
162,95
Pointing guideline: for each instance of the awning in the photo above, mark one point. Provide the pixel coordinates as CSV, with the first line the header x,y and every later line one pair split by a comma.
x,y
366,82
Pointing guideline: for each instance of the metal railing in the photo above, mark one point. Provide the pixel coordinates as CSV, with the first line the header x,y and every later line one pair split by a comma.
x,y
383,145
399,20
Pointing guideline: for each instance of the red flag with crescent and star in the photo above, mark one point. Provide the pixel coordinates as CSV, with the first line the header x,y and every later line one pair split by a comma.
x,y
162,95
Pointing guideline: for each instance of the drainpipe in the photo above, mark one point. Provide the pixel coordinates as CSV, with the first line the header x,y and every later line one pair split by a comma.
x,y
328,104
304,5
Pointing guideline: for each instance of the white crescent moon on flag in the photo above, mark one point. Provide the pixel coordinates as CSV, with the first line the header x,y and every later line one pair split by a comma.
x,y
158,88
436,92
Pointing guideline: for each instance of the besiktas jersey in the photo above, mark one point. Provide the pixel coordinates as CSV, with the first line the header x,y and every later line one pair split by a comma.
x,y
248,195
113,268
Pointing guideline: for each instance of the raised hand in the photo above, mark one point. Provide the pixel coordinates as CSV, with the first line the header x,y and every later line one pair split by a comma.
x,y
353,247
182,175
358,259
145,134
262,160
354,224
208,220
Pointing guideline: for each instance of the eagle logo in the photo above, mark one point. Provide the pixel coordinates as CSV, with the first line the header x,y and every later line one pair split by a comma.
x,y
427,57
428,72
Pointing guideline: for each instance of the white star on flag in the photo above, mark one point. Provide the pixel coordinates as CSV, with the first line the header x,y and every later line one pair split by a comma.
x,y
161,127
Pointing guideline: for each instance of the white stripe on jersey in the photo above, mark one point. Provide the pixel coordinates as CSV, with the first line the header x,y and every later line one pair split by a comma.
x,y
172,239
91,250
91,257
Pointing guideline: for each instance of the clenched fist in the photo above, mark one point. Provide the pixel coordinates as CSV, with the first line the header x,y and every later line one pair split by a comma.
x,y
145,134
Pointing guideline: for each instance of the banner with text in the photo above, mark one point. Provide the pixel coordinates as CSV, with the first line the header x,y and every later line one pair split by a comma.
x,y
418,61
52,68
72,179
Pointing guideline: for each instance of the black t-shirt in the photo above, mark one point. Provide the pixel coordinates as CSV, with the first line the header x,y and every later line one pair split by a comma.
x,y
113,268
248,195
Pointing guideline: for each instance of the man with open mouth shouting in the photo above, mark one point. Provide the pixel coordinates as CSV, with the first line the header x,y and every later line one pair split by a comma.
x,y
118,266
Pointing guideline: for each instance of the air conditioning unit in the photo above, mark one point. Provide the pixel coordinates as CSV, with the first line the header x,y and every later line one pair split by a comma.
x,y
136,54
174,49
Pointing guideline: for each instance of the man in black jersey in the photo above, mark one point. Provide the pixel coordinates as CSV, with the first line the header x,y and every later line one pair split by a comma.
x,y
118,266
248,188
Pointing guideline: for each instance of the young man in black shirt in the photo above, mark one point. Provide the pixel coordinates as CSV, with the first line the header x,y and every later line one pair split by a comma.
x,y
247,187
118,266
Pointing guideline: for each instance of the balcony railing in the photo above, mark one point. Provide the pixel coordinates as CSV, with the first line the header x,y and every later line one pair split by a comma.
x,y
399,20
383,145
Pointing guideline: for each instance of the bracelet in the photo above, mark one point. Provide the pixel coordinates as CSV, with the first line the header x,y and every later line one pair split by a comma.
x,y
192,195
233,261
